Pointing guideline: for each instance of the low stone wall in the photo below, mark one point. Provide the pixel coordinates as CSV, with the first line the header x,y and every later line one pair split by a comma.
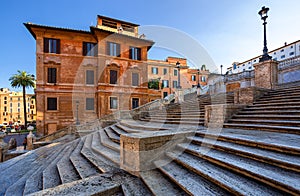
x,y
216,115
248,95
139,151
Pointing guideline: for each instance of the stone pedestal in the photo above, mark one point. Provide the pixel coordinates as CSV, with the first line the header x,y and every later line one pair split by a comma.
x,y
179,95
3,147
216,115
266,74
139,151
248,95
30,140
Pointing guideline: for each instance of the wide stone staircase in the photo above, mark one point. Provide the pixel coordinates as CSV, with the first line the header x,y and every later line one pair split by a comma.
x,y
209,162
189,112
277,110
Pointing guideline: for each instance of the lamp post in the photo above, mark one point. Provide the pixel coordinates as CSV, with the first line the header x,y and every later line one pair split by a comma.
x,y
198,85
264,15
221,66
77,118
178,67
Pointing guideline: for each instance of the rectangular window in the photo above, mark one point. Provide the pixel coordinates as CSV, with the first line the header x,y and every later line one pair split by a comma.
x,y
19,110
19,104
89,104
165,83
203,79
51,103
292,53
89,77
51,45
135,53
135,79
89,49
113,49
113,103
135,102
165,71
193,78
175,84
283,56
51,75
154,70
175,72
113,79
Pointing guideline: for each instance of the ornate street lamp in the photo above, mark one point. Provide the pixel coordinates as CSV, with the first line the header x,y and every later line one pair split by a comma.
x,y
77,118
264,15
178,67
198,85
221,66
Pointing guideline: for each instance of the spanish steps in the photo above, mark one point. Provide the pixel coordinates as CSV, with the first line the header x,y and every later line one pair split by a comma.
x,y
232,161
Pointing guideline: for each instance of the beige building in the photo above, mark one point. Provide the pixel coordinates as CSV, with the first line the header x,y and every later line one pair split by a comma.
x,y
11,107
167,73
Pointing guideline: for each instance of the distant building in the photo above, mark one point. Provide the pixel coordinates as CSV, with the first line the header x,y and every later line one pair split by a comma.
x,y
101,70
285,52
167,73
12,109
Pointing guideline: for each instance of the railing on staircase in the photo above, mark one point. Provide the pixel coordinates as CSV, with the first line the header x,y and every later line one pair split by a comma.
x,y
294,61
239,76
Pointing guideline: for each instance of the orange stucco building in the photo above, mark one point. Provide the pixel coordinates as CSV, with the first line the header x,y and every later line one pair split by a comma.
x,y
89,74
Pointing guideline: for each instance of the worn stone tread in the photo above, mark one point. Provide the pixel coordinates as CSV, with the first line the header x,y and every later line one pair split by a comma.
x,y
110,156
66,169
95,159
190,182
159,184
278,178
232,182
279,159
112,135
83,166
106,141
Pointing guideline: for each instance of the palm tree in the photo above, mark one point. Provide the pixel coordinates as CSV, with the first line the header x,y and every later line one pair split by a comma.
x,y
24,80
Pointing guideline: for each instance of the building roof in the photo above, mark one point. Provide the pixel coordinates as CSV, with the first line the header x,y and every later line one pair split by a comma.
x,y
117,20
28,25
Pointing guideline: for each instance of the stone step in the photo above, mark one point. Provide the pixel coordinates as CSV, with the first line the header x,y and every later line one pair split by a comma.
x,y
111,157
285,161
279,97
260,112
232,182
112,135
185,116
95,185
140,126
174,119
281,179
127,129
106,141
18,187
297,103
288,123
278,142
267,116
282,107
66,169
284,91
190,182
95,159
117,130
282,129
198,122
83,166
51,177
28,165
260,101
159,184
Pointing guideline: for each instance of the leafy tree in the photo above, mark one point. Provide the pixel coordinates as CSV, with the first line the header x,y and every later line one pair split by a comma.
x,y
24,80
153,84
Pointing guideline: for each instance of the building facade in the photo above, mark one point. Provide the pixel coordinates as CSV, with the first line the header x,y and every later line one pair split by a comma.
x,y
280,54
167,74
84,75
12,108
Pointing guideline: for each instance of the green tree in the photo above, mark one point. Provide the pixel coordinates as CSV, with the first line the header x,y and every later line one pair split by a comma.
x,y
153,84
24,80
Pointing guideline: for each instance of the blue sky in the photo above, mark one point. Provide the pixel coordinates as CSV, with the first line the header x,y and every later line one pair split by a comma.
x,y
229,30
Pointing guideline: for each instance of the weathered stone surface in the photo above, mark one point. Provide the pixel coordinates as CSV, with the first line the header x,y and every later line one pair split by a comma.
x,y
12,144
248,95
266,74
